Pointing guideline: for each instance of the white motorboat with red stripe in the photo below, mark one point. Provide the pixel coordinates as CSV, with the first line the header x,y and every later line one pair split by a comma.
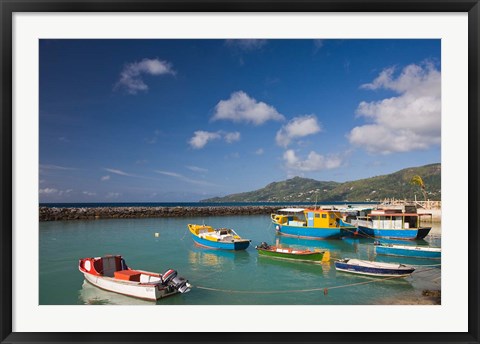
x,y
112,273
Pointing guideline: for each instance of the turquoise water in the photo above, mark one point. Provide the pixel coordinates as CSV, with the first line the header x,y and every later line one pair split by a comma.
x,y
220,277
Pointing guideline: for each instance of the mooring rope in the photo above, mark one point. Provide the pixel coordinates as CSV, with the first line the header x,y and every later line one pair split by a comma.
x,y
186,230
422,265
324,289
424,270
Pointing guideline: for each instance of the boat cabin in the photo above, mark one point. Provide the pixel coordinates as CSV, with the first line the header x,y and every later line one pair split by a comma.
x,y
395,219
115,267
317,218
322,218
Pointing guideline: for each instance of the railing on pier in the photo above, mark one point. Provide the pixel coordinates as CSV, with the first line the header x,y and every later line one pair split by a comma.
x,y
428,204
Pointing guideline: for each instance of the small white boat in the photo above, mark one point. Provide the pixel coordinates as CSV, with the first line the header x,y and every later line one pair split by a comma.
x,y
366,267
408,251
112,273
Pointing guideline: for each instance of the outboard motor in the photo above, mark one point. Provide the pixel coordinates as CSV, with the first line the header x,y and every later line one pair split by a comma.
x,y
181,284
264,245
168,275
171,279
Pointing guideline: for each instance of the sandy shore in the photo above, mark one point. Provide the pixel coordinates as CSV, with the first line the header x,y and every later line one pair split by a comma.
x,y
427,297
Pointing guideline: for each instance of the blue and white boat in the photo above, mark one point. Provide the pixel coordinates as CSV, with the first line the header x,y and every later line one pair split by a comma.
x,y
408,251
221,238
366,267
393,224
311,223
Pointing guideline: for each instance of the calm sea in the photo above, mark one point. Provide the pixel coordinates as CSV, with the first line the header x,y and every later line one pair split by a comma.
x,y
219,277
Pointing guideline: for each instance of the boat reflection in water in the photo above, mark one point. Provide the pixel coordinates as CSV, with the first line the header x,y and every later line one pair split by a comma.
x,y
294,266
336,247
92,295
215,258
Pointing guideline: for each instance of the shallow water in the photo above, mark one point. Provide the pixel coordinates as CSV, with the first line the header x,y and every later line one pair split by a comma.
x,y
221,277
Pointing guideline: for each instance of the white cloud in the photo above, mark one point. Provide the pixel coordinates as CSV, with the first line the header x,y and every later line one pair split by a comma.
x,y
232,137
197,169
104,178
318,44
119,172
259,151
53,191
131,75
313,162
200,138
153,140
296,128
47,191
410,121
56,167
89,193
246,44
242,108
183,178
171,174
113,195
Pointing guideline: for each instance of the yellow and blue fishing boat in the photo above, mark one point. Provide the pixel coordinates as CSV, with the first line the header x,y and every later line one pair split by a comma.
x,y
220,238
311,223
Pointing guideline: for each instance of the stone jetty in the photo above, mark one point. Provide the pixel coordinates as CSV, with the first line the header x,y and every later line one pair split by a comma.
x,y
87,213
93,213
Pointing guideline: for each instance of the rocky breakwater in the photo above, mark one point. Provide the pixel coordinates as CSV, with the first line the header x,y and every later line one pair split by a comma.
x,y
63,214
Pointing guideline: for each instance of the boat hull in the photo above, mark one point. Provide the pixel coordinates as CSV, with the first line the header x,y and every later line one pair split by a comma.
x,y
372,271
403,234
141,291
237,245
308,232
413,252
306,257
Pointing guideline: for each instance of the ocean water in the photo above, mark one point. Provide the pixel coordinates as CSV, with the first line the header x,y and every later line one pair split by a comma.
x,y
221,277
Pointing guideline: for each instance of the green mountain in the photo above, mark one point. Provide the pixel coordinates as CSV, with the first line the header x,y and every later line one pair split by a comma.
x,y
396,185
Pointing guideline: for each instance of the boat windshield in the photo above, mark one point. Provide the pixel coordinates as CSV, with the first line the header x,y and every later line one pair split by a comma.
x,y
291,210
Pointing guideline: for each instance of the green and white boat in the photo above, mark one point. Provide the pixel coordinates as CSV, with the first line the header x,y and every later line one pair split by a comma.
x,y
292,253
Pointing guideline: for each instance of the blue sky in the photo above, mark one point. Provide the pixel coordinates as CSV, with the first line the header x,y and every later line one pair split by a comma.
x,y
183,120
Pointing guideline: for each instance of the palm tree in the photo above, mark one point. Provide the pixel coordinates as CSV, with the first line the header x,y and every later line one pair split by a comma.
x,y
417,180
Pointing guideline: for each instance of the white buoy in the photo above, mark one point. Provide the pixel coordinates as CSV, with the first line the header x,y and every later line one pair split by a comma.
x,y
157,235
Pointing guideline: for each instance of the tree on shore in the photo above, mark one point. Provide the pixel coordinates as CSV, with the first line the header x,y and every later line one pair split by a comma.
x,y
417,180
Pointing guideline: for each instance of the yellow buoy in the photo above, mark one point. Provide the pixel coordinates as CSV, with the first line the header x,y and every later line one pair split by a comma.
x,y
157,235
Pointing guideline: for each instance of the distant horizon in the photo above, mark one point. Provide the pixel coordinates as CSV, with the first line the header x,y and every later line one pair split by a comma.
x,y
183,120
201,200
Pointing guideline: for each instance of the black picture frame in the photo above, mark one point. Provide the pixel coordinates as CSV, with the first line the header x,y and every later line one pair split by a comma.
x,y
9,7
